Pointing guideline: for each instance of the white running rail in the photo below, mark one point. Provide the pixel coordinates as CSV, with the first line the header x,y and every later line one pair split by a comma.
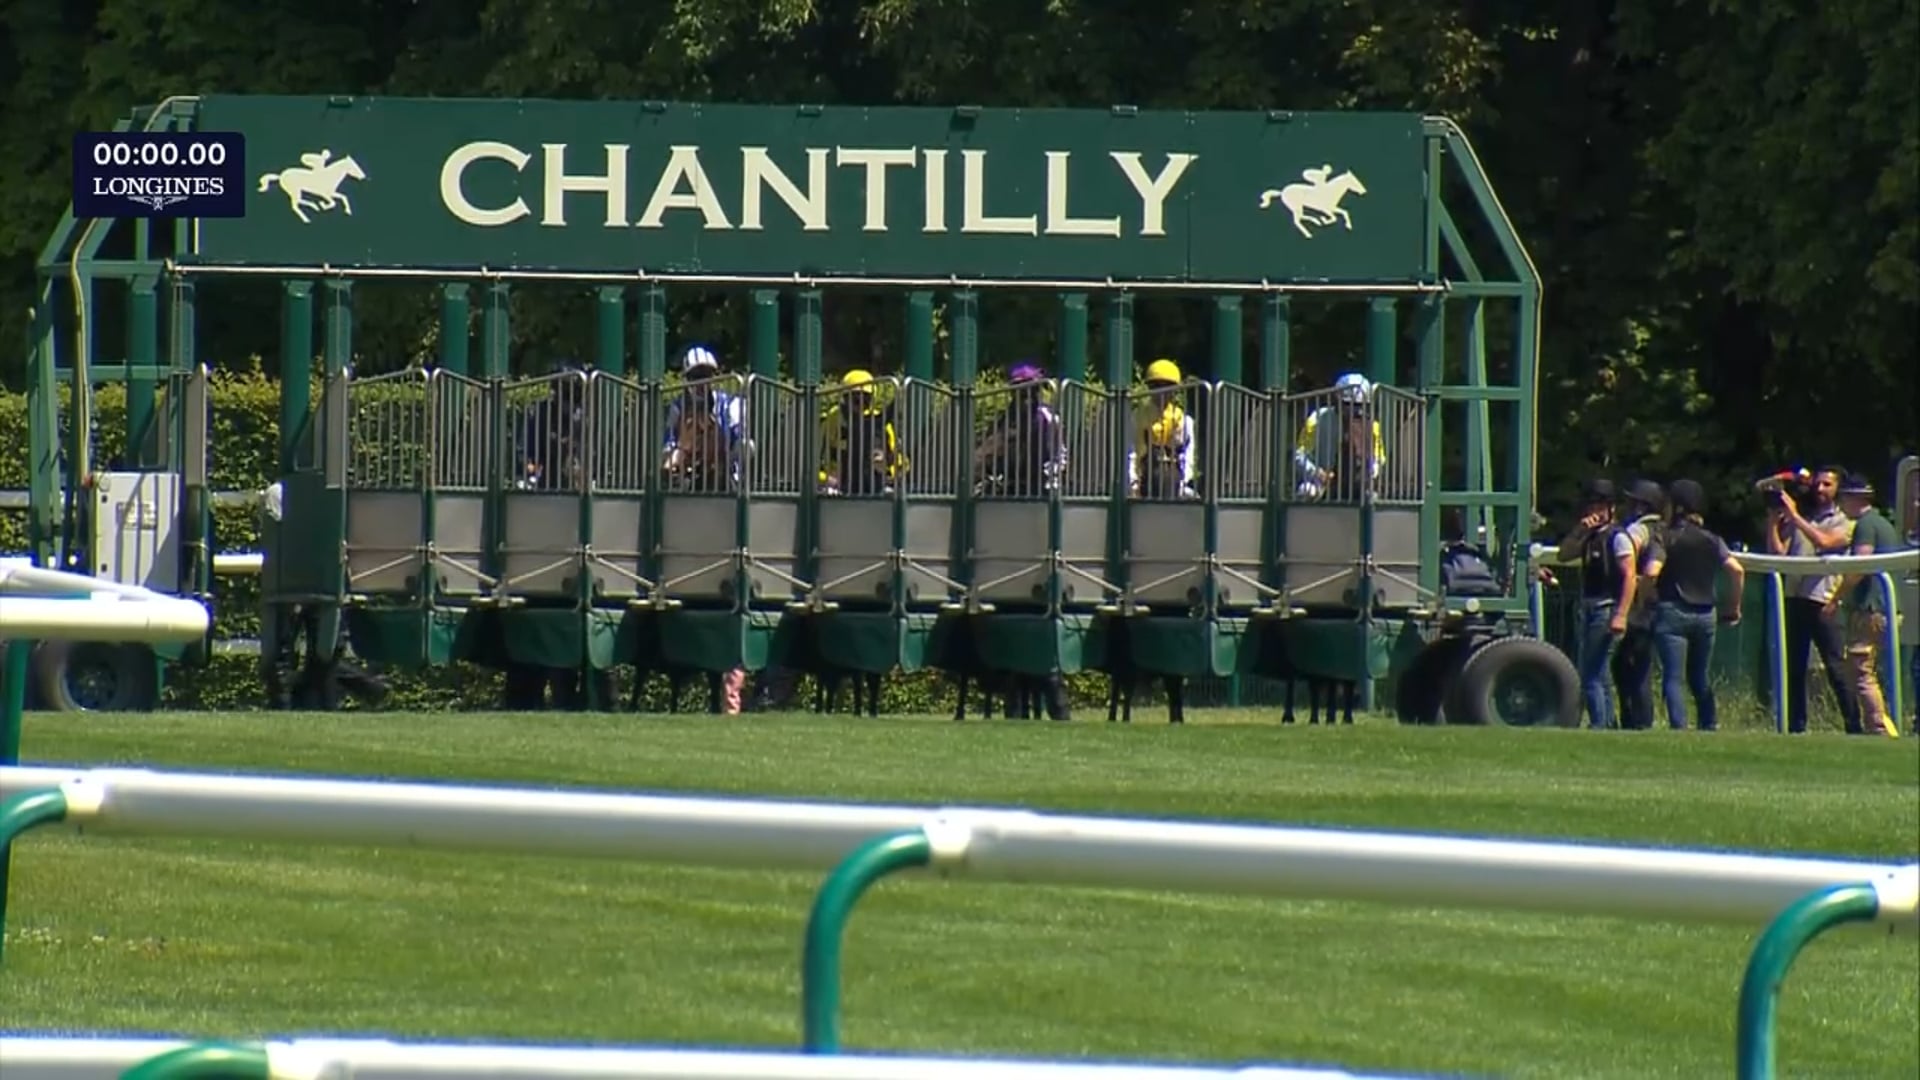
x,y
53,605
341,1059
984,844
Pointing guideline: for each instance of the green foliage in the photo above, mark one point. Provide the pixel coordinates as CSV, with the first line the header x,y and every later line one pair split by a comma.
x,y
1723,198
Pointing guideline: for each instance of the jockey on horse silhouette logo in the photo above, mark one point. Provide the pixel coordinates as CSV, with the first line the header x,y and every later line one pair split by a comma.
x,y
1317,201
705,428
315,176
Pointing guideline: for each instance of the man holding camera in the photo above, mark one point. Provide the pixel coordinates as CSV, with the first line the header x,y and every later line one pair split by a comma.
x,y
1866,614
1821,529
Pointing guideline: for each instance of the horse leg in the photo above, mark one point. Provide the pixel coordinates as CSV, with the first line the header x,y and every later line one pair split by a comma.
x,y
1346,704
713,692
873,694
347,205
1313,696
1287,717
1113,697
961,681
1176,700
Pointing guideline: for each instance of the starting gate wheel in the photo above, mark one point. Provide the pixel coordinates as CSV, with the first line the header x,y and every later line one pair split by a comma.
x,y
1518,681
88,676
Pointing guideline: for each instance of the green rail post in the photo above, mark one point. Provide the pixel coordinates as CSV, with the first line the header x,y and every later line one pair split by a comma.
x,y
1790,932
13,699
205,1061
18,814
827,929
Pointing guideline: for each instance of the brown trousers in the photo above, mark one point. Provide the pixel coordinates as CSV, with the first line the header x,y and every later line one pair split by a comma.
x,y
1864,632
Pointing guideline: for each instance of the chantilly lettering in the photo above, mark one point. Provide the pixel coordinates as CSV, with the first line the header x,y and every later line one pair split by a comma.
x,y
572,178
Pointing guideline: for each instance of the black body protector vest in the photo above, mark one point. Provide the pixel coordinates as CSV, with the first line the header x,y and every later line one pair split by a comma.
x,y
1600,577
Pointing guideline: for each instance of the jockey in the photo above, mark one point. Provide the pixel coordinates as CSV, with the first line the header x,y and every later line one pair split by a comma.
x,y
553,434
703,409
1332,453
862,451
1165,429
1024,451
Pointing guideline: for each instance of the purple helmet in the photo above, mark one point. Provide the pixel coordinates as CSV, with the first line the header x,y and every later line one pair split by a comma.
x,y
1026,371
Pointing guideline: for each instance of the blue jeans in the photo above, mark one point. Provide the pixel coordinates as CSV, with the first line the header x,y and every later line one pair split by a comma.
x,y
1683,635
1596,650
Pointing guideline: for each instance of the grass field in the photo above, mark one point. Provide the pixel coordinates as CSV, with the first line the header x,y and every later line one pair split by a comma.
x,y
227,939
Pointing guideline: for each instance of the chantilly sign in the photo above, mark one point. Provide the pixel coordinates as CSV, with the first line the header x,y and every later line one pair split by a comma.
x,y
682,183
775,192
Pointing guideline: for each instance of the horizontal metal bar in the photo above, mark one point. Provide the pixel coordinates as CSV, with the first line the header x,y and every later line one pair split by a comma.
x,y
986,844
1477,393
804,281
1501,499
17,499
57,1058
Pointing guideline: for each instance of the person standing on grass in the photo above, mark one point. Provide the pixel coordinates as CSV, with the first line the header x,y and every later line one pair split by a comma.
x,y
1632,664
1866,615
1684,606
1811,626
1607,583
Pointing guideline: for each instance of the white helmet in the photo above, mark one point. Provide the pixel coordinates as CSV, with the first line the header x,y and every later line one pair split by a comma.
x,y
698,356
1354,388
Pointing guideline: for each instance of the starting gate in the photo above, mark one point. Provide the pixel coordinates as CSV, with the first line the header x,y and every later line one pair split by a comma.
x,y
1247,520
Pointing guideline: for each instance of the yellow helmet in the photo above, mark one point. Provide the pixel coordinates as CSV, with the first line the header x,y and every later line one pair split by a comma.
x,y
857,377
1163,371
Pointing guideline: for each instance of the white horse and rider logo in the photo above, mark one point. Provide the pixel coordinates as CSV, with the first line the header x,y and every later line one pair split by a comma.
x,y
318,177
1316,202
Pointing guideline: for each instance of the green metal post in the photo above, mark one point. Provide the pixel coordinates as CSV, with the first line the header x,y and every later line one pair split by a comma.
x,y
18,814
1479,447
1072,359
1118,375
143,345
964,324
1790,932
205,1061
338,347
1526,442
963,328
650,327
918,363
1430,375
1276,374
296,371
13,699
807,336
763,333
1276,342
456,333
1226,363
43,435
1383,340
827,930
610,338
495,331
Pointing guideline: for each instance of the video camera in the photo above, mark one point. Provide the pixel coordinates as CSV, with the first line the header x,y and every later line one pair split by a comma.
x,y
1795,482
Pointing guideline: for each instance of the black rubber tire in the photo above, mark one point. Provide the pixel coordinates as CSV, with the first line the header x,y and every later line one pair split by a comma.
x,y
1518,682
1421,694
91,676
